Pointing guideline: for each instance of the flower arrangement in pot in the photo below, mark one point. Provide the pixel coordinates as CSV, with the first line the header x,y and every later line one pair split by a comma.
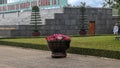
x,y
58,44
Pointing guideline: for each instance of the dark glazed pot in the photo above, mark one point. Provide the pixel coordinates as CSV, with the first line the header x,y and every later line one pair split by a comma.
x,y
35,33
59,48
82,32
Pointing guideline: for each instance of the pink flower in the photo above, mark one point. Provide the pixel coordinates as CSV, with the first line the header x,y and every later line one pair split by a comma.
x,y
57,37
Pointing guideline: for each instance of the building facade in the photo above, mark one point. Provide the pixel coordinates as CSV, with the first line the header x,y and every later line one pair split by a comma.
x,y
28,4
59,20
99,21
3,1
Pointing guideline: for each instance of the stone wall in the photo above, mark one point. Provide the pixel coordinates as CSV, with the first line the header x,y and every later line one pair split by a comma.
x,y
67,21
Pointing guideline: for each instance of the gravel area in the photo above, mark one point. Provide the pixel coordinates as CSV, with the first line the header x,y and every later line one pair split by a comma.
x,y
13,57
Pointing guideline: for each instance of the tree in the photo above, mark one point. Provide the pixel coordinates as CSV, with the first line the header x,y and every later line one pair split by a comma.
x,y
108,3
35,18
83,26
112,4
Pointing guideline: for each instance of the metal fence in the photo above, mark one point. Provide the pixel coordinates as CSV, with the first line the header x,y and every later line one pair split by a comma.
x,y
22,5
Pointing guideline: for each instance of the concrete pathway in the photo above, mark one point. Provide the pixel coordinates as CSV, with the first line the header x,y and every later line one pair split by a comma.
x,y
12,57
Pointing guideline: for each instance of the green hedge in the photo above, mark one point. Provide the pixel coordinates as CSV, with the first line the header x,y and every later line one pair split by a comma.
x,y
75,50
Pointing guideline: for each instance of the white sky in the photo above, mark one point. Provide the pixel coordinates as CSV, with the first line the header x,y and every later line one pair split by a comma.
x,y
93,3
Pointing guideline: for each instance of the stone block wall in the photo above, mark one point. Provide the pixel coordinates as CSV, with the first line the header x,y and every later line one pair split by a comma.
x,y
67,21
5,33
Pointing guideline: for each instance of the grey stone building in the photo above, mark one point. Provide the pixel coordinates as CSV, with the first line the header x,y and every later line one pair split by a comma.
x,y
99,21
61,20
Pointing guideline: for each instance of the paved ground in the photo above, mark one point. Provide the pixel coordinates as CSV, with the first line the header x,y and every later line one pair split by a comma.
x,y
12,57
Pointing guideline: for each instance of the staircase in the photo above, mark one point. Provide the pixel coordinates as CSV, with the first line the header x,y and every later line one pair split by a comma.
x,y
14,25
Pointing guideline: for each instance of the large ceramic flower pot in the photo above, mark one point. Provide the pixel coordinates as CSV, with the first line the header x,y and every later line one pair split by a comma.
x,y
58,48
82,32
35,33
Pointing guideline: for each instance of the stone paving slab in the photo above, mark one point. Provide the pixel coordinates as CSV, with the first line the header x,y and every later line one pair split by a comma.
x,y
12,57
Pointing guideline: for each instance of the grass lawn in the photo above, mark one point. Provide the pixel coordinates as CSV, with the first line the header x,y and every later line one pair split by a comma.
x,y
92,42
103,46
97,42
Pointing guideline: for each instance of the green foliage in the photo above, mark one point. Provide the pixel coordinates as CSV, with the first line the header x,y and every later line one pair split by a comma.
x,y
113,4
97,42
108,3
83,17
104,46
35,9
35,18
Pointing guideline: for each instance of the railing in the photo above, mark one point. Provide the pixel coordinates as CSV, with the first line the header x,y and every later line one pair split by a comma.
x,y
28,4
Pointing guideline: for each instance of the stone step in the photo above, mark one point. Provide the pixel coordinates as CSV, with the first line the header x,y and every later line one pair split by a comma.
x,y
7,28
